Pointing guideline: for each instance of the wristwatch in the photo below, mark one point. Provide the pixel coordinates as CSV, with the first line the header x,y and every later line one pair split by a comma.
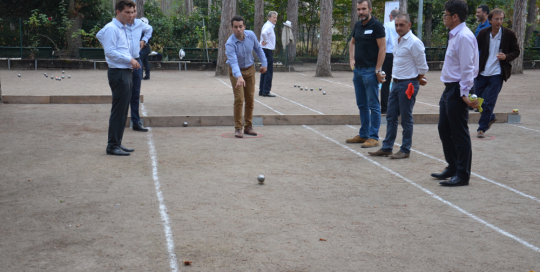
x,y
377,71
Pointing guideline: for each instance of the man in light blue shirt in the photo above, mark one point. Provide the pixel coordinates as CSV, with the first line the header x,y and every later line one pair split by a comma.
x,y
239,48
391,38
114,39
135,29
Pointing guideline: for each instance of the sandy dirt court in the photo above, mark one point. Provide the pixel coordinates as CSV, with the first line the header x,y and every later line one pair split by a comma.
x,y
191,194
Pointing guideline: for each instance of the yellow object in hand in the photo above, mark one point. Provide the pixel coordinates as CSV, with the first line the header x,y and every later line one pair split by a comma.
x,y
480,101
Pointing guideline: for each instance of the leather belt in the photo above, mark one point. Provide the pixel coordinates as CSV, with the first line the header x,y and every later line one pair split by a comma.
x,y
395,80
244,69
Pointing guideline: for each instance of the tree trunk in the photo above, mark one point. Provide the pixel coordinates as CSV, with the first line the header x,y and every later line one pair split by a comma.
x,y
188,6
140,9
403,6
73,41
228,8
292,15
531,19
259,18
165,6
428,24
354,14
209,7
237,10
325,42
0,92
518,25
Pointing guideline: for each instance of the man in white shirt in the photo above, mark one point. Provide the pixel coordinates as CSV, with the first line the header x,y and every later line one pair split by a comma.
x,y
391,36
268,43
410,66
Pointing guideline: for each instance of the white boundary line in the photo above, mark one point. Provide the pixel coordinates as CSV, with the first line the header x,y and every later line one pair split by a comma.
x,y
162,207
254,99
474,174
521,241
298,104
525,128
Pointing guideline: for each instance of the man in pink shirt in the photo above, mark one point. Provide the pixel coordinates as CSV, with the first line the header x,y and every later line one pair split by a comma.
x,y
458,73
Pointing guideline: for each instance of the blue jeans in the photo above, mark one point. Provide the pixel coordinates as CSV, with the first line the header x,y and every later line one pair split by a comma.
x,y
488,88
366,88
400,104
135,94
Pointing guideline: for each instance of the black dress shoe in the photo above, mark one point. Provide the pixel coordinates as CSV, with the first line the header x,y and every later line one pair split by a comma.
x,y
139,127
269,95
260,94
444,175
126,149
116,152
454,181
146,78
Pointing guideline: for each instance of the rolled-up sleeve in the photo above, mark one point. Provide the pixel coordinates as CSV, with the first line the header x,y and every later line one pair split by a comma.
x,y
467,61
232,60
107,38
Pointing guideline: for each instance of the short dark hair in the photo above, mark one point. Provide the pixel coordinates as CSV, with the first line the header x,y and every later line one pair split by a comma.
x,y
484,8
238,18
458,7
403,16
495,12
362,1
121,4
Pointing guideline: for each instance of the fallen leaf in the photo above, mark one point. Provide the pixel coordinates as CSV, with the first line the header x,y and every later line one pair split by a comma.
x,y
187,262
78,225
322,239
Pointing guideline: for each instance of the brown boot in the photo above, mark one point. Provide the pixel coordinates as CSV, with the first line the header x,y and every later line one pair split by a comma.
x,y
380,152
399,155
356,140
238,133
250,131
370,143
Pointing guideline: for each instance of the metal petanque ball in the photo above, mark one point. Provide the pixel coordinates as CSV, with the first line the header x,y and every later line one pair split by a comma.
x,y
312,89
301,89
260,178
69,76
185,124
52,77
320,88
62,76
295,85
19,75
324,93
63,72
45,74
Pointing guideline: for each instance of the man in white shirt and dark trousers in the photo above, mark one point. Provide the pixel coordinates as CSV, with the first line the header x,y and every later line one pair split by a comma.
x,y
268,44
410,66
391,36
114,38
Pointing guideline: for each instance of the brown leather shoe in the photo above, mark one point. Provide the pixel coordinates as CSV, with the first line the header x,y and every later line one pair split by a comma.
x,y
250,131
370,143
400,155
481,134
380,152
356,140
491,122
238,133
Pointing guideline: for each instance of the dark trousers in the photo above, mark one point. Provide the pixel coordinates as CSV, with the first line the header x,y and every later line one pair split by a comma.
x,y
136,94
385,89
121,83
488,88
144,59
454,131
266,79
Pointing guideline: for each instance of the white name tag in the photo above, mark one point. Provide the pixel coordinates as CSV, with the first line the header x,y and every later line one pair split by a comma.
x,y
368,31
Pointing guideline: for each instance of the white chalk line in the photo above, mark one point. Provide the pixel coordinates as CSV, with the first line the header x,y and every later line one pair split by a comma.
x,y
521,241
525,128
162,208
254,99
296,103
208,74
474,174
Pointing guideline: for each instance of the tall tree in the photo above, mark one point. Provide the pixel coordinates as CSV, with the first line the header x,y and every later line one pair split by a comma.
x,y
165,6
354,14
228,8
518,25
292,15
325,43
259,17
140,9
76,19
403,6
188,6
531,19
428,23
209,7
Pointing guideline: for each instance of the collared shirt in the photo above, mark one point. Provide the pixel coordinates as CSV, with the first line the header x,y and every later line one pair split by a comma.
x,y
481,26
135,31
239,52
461,60
391,34
268,35
409,57
114,39
493,67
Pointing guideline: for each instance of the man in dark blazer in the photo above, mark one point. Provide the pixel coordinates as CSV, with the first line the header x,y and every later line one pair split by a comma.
x,y
498,47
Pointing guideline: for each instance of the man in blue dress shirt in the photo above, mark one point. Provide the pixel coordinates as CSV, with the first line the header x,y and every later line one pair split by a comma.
x,y
136,29
239,49
482,15
114,38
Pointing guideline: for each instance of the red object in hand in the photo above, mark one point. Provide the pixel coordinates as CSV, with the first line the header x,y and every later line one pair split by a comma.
x,y
410,91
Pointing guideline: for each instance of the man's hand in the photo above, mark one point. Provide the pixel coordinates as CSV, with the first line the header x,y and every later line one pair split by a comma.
x,y
142,45
135,64
262,70
422,80
501,56
264,43
352,62
240,82
380,77
473,104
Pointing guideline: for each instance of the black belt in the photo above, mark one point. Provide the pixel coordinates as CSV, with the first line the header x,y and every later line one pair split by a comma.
x,y
450,84
120,69
395,80
137,58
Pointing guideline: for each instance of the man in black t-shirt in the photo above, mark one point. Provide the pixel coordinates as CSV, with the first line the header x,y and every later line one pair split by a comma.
x,y
367,51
